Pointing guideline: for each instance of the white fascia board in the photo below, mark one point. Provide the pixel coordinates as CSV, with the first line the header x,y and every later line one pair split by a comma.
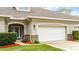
x,y
51,18
10,17
17,18
5,16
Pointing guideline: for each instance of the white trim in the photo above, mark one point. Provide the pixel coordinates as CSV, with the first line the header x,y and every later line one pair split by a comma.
x,y
5,16
15,23
51,18
17,18
12,17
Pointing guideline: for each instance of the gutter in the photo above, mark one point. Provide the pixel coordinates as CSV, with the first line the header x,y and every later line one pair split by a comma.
x,y
52,18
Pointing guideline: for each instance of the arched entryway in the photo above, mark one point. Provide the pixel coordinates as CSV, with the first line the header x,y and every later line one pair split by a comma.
x,y
18,28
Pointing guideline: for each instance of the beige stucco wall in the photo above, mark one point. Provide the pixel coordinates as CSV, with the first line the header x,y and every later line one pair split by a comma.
x,y
31,29
68,24
72,27
2,24
29,26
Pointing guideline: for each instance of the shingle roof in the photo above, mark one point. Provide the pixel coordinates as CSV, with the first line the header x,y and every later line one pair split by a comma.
x,y
35,11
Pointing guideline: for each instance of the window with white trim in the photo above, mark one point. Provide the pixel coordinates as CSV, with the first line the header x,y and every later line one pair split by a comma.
x,y
23,9
76,27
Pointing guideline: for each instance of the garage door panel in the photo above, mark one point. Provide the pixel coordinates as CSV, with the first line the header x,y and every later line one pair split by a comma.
x,y
50,34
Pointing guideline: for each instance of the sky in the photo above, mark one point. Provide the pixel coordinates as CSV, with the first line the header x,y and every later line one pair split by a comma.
x,y
75,11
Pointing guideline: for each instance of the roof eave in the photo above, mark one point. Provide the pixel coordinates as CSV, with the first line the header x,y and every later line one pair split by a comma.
x,y
52,18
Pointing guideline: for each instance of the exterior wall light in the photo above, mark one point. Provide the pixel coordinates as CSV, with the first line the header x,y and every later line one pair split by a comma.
x,y
34,26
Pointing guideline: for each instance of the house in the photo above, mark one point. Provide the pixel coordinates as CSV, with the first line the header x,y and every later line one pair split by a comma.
x,y
36,23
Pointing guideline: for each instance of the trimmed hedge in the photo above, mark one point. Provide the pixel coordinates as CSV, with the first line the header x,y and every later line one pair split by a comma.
x,y
75,35
7,38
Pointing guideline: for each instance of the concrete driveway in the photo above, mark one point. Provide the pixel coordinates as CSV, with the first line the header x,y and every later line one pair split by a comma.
x,y
66,45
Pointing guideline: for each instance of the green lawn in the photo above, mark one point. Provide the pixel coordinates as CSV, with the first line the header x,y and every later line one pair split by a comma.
x,y
38,47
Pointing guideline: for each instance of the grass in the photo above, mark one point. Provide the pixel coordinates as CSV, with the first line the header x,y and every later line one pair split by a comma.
x,y
40,47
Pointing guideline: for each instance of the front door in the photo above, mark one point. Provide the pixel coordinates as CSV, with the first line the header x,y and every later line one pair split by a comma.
x,y
18,29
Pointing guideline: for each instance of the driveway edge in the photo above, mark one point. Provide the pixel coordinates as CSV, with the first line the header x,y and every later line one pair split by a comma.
x,y
57,47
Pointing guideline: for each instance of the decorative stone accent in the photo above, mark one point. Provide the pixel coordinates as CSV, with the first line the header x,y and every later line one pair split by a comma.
x,y
70,37
34,38
26,37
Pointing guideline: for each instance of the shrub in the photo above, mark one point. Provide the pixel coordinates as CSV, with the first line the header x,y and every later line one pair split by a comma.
x,y
75,35
7,38
36,41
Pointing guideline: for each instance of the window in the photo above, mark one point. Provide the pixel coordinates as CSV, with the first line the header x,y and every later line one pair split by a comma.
x,y
23,9
76,27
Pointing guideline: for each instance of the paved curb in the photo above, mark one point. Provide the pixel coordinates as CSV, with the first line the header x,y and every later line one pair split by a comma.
x,y
65,49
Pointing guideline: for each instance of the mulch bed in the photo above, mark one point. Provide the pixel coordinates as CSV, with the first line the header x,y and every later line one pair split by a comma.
x,y
10,45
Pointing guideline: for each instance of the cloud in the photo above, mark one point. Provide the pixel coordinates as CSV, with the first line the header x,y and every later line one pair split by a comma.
x,y
75,13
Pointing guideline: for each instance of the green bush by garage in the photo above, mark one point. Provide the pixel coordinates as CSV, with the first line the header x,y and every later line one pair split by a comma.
x,y
75,34
7,38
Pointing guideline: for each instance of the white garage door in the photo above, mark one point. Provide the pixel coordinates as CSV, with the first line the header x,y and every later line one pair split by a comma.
x,y
50,34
